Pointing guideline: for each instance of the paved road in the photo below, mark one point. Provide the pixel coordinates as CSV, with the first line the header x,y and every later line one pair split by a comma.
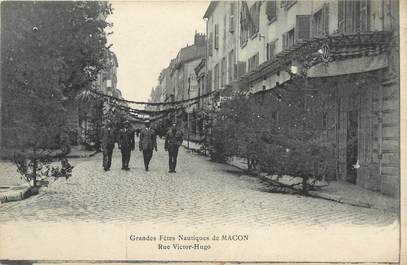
x,y
201,192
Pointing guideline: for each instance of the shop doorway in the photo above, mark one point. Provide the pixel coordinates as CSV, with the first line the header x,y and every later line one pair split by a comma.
x,y
352,146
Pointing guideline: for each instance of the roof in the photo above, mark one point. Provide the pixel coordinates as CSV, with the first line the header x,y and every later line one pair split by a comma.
x,y
210,9
190,53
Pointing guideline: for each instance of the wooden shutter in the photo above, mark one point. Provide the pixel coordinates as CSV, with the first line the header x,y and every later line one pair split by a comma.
x,y
210,44
216,36
303,28
349,15
271,10
231,24
325,18
341,16
364,15
216,77
209,81
284,40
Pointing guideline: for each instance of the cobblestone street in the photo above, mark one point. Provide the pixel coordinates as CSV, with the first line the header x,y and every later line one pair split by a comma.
x,y
201,192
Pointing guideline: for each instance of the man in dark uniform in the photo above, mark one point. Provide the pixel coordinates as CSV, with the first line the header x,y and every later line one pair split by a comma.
x,y
107,139
126,144
148,141
173,141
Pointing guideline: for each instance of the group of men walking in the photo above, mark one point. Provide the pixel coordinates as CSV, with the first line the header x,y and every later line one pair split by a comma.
x,y
125,139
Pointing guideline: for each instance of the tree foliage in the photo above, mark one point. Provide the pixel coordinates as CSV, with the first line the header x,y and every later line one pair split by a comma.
x,y
279,132
50,51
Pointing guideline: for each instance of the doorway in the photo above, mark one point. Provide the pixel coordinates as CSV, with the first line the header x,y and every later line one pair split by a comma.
x,y
352,146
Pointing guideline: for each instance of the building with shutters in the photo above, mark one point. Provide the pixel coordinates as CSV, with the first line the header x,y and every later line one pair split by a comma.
x,y
222,31
347,47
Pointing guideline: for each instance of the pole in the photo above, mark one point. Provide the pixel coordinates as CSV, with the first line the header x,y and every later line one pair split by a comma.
x,y
188,129
189,97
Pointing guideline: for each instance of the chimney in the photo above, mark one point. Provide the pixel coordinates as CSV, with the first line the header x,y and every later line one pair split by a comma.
x,y
199,39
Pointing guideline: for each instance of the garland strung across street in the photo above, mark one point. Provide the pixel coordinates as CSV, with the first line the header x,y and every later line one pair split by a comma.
x,y
141,115
152,103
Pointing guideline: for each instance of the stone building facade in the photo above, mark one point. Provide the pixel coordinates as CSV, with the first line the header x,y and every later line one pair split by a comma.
x,y
348,47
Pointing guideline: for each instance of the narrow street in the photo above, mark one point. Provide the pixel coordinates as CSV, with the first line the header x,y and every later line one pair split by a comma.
x,y
201,192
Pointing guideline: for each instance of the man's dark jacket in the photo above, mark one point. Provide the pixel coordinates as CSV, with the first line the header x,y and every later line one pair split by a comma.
x,y
108,137
126,139
148,139
173,139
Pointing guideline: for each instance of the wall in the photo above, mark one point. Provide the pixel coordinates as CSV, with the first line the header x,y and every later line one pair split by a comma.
x,y
376,101
227,39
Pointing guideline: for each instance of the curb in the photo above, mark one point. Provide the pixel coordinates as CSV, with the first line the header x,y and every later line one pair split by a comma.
x,y
339,199
18,193
315,194
82,156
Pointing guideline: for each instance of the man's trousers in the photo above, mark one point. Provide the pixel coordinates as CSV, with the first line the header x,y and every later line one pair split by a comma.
x,y
126,152
147,154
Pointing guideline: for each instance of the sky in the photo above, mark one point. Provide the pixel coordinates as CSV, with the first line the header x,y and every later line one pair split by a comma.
x,y
146,36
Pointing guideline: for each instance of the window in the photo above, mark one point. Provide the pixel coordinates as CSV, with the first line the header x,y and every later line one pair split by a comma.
x,y
271,50
254,21
302,28
288,39
271,11
253,62
353,16
241,68
223,72
216,77
320,21
216,44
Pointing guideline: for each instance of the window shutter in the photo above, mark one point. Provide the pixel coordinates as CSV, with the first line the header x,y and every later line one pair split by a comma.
x,y
210,44
341,16
216,36
231,24
349,16
284,40
364,15
209,81
325,18
303,27
271,10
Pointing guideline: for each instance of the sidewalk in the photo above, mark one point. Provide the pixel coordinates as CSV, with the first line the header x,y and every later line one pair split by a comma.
x,y
13,188
339,191
79,151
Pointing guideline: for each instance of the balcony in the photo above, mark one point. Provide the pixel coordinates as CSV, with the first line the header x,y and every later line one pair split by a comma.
x,y
341,47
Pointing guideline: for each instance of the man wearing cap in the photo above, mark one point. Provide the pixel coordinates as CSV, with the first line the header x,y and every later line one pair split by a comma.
x,y
126,144
107,139
173,141
148,141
